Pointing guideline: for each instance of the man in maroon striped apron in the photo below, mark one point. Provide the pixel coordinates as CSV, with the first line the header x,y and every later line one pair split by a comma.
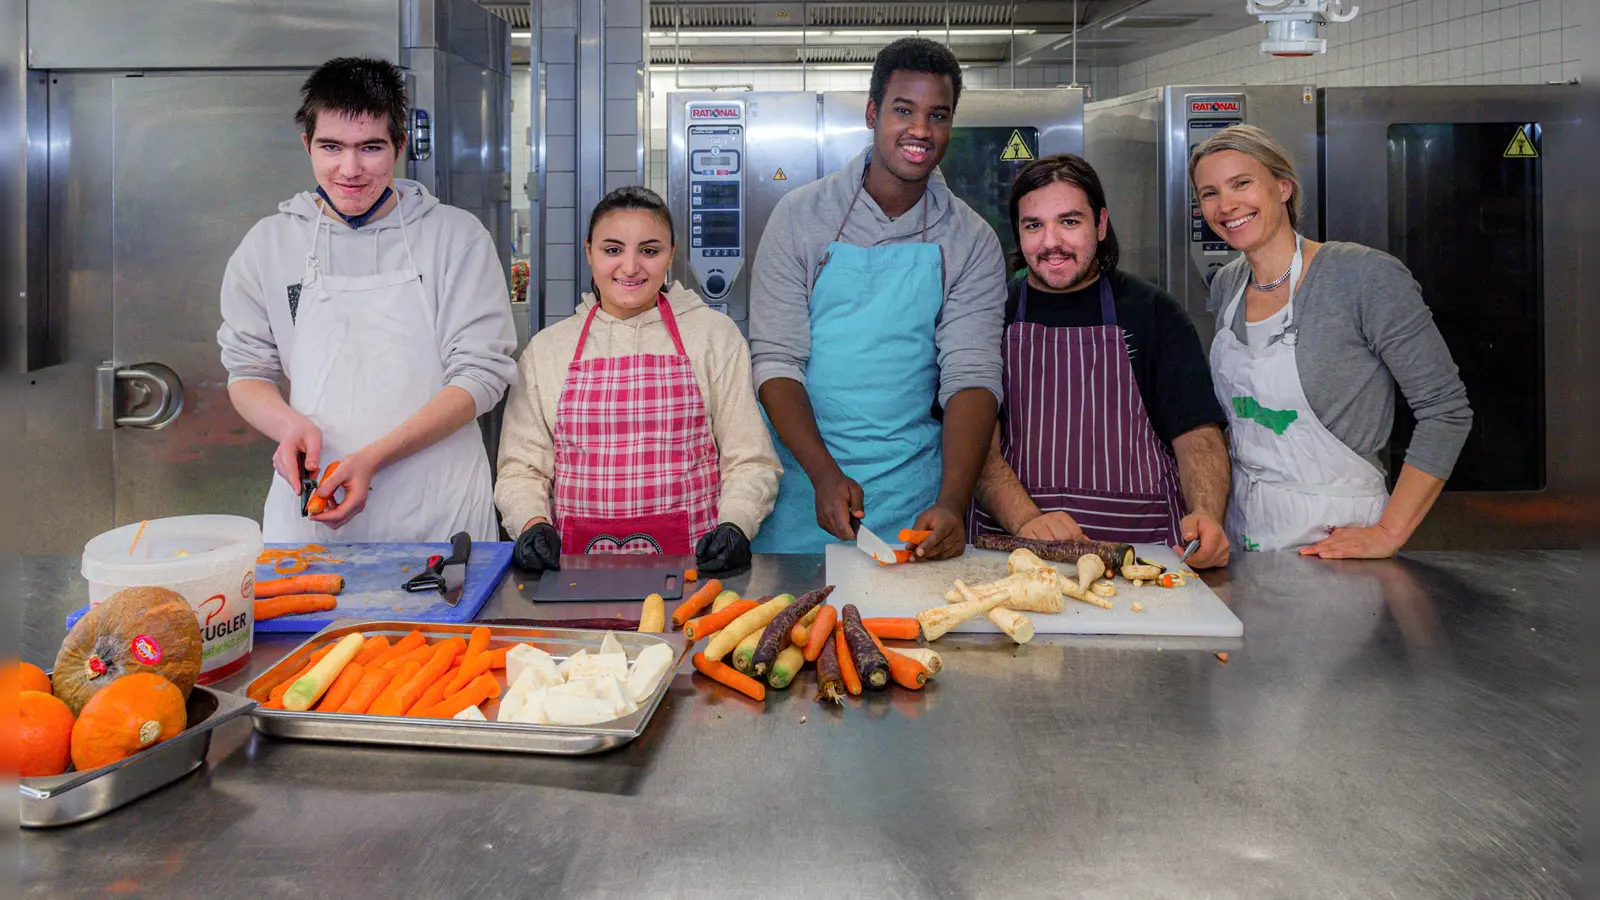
x,y
1110,428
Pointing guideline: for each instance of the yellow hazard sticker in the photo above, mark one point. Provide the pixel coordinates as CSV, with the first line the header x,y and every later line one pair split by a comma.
x,y
779,176
1521,146
1016,148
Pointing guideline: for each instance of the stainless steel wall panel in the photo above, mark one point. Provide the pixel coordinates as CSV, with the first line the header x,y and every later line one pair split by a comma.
x,y
208,34
67,496
177,219
1355,123
1121,139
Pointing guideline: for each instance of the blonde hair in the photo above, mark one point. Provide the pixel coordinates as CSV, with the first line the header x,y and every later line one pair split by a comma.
x,y
1259,146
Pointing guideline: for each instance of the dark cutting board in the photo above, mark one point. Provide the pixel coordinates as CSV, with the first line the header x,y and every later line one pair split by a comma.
x,y
612,576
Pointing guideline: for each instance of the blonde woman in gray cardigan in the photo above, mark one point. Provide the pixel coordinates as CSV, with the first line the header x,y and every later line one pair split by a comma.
x,y
1311,340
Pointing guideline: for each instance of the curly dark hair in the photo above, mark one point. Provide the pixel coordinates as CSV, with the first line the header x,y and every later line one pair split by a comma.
x,y
1076,171
914,54
355,86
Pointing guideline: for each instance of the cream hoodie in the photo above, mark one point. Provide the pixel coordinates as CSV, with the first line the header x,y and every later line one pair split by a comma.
x,y
721,361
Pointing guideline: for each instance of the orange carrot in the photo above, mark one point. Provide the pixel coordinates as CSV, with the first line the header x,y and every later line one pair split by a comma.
x,y
299,584
894,629
496,658
476,692
688,574
821,630
317,505
433,694
316,657
388,702
373,683
722,673
293,604
407,696
400,648
373,648
711,623
471,667
697,601
477,641
847,663
910,536
906,672
424,653
340,690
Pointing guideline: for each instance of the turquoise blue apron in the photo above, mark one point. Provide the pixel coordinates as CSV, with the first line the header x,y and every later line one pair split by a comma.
x,y
873,378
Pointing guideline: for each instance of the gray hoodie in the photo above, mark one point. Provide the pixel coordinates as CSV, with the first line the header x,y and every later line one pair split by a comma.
x,y
461,273
967,333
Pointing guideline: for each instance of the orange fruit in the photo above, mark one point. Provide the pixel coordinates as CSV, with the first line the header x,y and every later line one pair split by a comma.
x,y
30,677
45,734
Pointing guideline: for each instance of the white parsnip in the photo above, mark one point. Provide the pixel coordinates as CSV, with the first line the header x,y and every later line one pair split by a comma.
x,y
936,621
1017,626
929,658
1038,590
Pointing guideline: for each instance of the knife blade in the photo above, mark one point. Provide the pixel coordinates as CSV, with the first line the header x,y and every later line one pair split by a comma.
x,y
874,546
454,569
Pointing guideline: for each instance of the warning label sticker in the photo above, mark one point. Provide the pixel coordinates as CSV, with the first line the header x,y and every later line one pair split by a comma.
x,y
1016,149
779,176
1521,146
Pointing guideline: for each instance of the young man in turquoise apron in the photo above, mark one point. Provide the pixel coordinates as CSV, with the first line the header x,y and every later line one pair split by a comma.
x,y
876,305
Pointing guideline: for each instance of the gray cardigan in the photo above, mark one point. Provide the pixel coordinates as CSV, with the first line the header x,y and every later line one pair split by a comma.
x,y
1363,329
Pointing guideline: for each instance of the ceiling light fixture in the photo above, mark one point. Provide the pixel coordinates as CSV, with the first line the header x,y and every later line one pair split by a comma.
x,y
812,34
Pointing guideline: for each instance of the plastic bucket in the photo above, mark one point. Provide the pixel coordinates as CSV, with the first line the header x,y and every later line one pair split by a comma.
x,y
210,560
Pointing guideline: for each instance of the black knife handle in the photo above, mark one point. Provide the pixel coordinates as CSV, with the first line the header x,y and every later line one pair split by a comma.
x,y
460,548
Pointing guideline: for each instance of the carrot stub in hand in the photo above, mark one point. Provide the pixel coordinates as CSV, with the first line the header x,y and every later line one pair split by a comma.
x,y
725,674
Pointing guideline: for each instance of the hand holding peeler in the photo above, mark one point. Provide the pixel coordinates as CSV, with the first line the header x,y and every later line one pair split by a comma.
x,y
308,484
447,575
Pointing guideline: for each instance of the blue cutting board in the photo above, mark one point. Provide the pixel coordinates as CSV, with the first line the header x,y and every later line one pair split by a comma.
x,y
372,578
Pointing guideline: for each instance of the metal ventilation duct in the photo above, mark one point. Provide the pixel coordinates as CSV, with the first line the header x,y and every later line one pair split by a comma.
x,y
835,54
908,15
1173,20
702,15
514,13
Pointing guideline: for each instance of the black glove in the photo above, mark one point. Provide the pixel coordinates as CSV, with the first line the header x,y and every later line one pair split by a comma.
x,y
538,548
723,549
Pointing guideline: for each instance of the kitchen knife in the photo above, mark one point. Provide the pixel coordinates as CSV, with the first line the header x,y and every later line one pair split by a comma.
x,y
454,569
1189,551
874,546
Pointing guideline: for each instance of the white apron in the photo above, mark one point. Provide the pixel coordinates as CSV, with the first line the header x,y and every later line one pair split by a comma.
x,y
365,359
1292,479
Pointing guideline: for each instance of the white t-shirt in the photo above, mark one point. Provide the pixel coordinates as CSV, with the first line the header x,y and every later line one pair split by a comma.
x,y
1258,333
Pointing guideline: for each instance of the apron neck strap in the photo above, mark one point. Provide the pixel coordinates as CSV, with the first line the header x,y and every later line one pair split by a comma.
x,y
1108,303
667,319
359,219
1294,283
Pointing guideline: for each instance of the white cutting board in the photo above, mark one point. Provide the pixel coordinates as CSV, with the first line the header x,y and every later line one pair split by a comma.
x,y
908,588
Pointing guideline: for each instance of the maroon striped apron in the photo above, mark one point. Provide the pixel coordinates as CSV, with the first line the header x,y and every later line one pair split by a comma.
x,y
1077,435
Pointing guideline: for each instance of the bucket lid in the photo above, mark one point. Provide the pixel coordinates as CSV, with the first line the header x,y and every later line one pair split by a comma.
x,y
181,548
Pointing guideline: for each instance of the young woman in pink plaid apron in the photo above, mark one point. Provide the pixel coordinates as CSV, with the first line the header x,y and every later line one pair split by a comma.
x,y
634,427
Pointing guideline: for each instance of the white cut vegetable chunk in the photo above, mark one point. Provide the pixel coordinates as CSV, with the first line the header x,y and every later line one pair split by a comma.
x,y
531,711
471,714
599,664
523,656
572,662
569,709
610,644
648,671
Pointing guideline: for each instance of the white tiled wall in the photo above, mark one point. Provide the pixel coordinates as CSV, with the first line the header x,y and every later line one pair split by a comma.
x,y
1393,42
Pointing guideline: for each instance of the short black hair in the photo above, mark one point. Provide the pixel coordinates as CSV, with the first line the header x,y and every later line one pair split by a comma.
x,y
1076,171
355,86
632,196
914,54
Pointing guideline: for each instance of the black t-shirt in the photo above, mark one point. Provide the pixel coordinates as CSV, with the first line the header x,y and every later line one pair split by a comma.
x,y
1164,349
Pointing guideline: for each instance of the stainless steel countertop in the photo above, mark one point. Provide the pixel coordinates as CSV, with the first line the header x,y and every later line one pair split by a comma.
x,y
1398,728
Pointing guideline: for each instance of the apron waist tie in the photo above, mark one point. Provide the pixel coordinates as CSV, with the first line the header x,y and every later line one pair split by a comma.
x,y
1372,489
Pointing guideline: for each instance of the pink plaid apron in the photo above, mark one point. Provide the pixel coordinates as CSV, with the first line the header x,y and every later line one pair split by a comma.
x,y
636,466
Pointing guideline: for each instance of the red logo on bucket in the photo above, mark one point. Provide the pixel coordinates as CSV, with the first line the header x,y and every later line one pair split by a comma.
x,y
146,650
220,601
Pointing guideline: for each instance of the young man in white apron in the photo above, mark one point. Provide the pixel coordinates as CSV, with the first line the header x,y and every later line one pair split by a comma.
x,y
876,300
389,314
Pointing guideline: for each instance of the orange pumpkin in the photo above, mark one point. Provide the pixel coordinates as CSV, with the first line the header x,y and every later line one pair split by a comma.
x,y
130,714
25,677
140,629
44,734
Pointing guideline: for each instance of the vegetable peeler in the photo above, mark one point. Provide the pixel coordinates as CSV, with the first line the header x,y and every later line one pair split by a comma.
x,y
308,484
442,574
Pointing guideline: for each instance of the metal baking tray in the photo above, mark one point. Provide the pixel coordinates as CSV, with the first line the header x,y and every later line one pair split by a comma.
x,y
76,796
453,734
